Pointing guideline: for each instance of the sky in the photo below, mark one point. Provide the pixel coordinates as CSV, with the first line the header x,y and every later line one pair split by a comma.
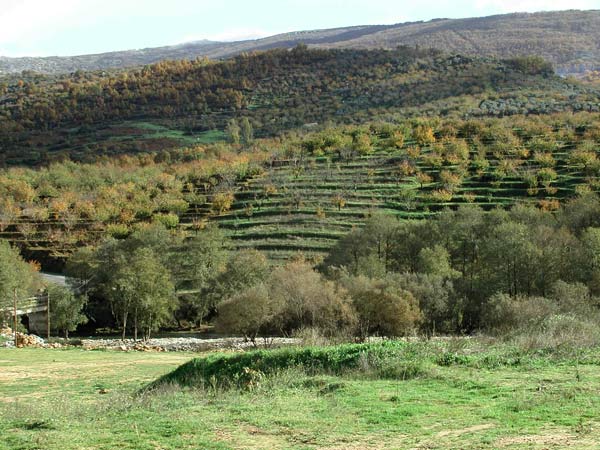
x,y
73,27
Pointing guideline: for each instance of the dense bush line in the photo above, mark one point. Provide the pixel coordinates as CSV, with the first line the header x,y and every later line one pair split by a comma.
x,y
526,272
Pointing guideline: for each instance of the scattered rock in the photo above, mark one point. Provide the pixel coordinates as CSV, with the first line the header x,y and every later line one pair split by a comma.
x,y
187,344
182,344
29,340
6,332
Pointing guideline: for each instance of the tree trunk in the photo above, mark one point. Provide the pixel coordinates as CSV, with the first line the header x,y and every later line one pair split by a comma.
x,y
135,324
124,325
15,316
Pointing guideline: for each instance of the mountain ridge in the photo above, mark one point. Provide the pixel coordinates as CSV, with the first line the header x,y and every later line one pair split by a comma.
x,y
569,39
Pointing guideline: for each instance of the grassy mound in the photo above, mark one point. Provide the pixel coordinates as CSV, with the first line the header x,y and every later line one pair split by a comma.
x,y
389,359
392,360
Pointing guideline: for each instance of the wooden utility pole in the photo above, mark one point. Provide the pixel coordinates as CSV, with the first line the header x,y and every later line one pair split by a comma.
x,y
48,316
15,315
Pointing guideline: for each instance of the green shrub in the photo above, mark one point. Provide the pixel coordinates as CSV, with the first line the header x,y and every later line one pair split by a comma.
x,y
402,370
503,313
383,307
169,221
531,65
447,359
560,331
118,230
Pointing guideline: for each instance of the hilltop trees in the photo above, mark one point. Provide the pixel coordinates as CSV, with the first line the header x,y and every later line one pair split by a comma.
x,y
46,119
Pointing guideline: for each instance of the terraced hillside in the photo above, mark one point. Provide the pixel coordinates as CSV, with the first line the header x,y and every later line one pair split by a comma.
x,y
306,205
301,193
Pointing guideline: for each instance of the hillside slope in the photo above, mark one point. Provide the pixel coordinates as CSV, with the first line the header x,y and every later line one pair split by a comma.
x,y
569,39
303,194
177,104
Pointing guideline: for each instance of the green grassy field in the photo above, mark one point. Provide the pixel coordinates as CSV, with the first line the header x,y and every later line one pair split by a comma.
x,y
465,395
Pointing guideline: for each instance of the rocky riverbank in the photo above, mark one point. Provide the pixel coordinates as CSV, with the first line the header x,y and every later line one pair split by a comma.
x,y
25,340
182,344
186,344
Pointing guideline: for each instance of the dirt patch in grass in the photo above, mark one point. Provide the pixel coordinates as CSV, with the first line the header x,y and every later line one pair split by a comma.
x,y
378,441
10,375
551,439
251,437
537,439
38,395
60,371
473,429
446,438
50,376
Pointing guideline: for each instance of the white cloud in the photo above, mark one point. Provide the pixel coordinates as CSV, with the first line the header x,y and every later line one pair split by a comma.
x,y
26,19
23,23
507,6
